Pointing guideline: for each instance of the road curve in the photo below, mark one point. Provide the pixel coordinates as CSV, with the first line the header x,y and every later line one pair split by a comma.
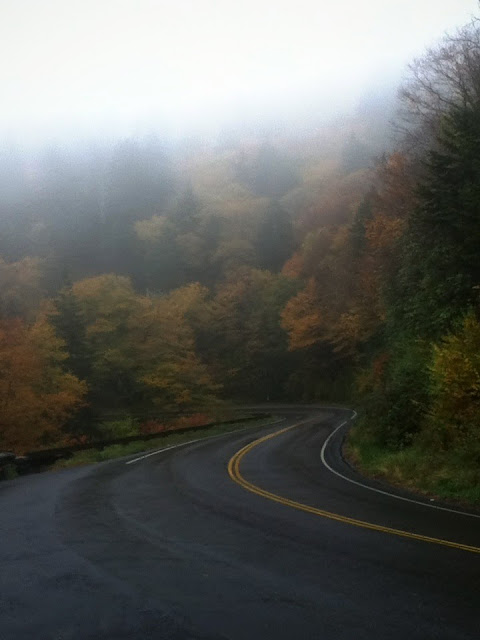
x,y
172,546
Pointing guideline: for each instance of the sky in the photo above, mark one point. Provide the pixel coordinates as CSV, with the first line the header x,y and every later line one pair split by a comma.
x,y
93,65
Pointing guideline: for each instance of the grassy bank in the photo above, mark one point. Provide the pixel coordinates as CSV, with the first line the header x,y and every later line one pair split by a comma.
x,y
90,456
449,476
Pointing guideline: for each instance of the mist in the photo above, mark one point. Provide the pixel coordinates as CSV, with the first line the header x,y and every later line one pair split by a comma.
x,y
90,69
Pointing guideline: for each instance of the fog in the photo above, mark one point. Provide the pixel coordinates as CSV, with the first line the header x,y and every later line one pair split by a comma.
x,y
205,202
120,67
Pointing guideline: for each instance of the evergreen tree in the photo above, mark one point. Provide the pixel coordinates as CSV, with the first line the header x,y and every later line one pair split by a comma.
x,y
439,267
275,238
70,325
363,214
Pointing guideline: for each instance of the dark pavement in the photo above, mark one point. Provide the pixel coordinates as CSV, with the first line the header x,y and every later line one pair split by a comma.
x,y
171,548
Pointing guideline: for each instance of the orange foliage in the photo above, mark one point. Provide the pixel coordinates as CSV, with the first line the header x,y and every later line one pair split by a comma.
x,y
293,268
382,232
302,318
36,395
182,422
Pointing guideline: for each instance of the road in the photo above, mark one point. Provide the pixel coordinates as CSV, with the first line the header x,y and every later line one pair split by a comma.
x,y
173,546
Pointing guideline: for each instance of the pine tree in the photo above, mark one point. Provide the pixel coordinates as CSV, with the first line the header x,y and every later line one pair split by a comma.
x,y
439,259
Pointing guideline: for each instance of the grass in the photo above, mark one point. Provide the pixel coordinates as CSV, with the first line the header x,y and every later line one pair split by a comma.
x,y
449,476
90,456
8,472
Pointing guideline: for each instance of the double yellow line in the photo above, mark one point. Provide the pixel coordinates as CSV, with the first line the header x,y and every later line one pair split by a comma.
x,y
236,476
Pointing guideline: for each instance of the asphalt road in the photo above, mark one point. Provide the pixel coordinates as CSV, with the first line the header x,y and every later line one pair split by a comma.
x,y
173,547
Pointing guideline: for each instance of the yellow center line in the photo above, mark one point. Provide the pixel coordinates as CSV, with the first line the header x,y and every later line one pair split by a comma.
x,y
236,476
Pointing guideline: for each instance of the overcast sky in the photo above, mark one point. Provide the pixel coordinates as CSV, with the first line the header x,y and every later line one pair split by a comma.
x,y
98,63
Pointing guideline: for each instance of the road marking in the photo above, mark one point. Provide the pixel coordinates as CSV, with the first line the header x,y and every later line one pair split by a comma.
x,y
385,493
184,444
236,476
157,451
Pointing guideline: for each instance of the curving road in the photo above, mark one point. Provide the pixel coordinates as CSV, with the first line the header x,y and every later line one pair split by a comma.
x,y
183,545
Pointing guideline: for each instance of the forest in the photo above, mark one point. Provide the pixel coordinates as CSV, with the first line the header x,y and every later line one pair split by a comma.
x,y
144,278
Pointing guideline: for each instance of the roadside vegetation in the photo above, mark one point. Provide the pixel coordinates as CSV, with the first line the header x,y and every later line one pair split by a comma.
x,y
441,475
419,387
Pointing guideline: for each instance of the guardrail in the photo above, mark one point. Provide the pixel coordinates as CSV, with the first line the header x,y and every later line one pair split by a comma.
x,y
34,461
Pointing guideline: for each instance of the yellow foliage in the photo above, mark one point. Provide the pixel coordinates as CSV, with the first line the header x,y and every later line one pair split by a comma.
x,y
20,290
382,232
455,374
151,230
146,345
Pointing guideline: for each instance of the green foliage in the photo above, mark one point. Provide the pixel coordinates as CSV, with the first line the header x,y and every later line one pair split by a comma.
x,y
121,428
358,228
454,419
449,475
427,393
244,339
394,392
439,265
8,472
71,326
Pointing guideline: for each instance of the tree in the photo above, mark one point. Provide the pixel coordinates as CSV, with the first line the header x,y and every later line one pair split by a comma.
x,y
446,77
37,397
454,417
70,325
143,347
303,318
21,288
244,342
275,238
266,172
161,260
140,185
171,371
355,155
186,212
439,262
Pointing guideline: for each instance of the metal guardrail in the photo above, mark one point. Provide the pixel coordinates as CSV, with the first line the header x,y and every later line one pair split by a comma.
x,y
6,458
34,461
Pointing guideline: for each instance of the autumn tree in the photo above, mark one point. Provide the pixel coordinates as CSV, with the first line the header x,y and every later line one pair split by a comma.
x,y
454,417
244,341
143,346
21,288
170,369
37,396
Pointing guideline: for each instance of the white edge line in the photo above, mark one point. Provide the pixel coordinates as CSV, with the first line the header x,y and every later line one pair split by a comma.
x,y
183,444
385,493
